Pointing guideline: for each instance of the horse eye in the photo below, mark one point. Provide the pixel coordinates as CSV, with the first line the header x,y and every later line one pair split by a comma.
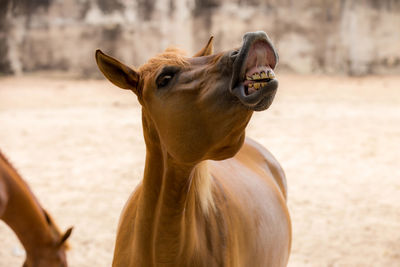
x,y
164,80
166,76
234,53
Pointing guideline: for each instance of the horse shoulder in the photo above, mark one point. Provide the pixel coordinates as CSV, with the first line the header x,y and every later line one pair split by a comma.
x,y
265,160
249,195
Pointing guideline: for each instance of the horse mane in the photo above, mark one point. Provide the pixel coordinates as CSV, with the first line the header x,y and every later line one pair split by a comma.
x,y
201,180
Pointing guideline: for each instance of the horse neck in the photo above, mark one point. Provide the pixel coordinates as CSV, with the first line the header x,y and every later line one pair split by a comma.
x,y
167,204
25,216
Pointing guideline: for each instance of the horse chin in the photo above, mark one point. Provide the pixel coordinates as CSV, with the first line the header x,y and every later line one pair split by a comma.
x,y
259,100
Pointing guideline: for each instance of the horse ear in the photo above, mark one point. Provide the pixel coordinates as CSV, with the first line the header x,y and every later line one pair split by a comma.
x,y
47,216
117,72
65,236
207,50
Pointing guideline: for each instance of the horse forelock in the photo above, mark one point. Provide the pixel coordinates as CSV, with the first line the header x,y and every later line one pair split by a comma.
x,y
172,56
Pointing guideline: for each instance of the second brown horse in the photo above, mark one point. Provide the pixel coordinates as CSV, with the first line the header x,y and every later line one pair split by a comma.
x,y
44,244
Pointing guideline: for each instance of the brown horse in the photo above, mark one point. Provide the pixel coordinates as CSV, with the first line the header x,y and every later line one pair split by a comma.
x,y
209,197
44,244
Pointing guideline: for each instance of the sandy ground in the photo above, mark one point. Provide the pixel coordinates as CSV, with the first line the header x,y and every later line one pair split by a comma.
x,y
79,145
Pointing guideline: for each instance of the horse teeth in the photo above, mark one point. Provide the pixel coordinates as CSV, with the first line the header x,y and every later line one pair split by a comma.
x,y
248,78
257,85
250,85
263,75
256,76
263,84
271,74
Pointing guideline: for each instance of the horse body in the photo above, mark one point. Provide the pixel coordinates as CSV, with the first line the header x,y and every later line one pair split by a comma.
x,y
248,211
21,211
209,196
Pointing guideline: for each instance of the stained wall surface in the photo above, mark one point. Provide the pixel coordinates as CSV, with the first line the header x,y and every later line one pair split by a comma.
x,y
312,36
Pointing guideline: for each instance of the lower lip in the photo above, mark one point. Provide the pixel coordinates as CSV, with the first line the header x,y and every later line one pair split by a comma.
x,y
253,89
254,98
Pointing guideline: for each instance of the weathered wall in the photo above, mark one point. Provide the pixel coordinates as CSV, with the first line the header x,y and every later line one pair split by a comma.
x,y
312,36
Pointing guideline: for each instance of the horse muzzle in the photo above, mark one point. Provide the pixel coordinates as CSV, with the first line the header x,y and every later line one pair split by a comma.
x,y
253,80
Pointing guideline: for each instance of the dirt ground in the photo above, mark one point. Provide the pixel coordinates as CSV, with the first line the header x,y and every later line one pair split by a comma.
x,y
79,145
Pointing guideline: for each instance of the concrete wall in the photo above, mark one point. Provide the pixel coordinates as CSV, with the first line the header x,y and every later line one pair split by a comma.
x,y
312,36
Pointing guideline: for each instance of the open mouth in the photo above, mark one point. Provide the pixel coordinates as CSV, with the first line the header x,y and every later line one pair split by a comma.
x,y
257,80
253,79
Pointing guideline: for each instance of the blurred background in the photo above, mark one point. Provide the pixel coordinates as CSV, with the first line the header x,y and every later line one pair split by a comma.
x,y
334,125
313,36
